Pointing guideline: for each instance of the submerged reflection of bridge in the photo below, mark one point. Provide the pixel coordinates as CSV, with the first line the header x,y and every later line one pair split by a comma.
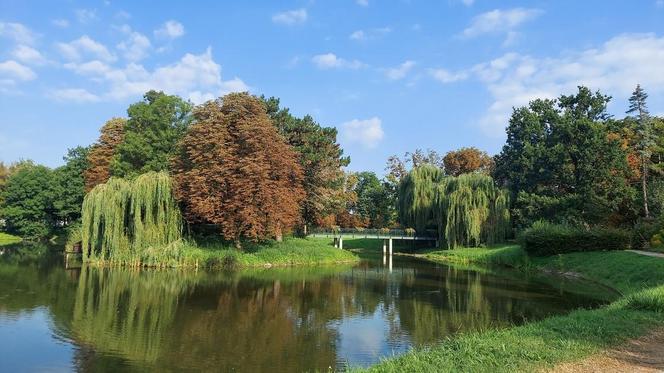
x,y
387,235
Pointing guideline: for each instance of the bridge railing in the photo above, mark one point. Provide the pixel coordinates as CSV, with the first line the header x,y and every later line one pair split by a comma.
x,y
368,233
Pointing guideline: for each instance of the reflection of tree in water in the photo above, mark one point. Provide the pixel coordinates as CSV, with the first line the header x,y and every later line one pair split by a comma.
x,y
126,312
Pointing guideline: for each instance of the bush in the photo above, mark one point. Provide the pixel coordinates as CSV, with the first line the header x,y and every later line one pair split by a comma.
x,y
544,239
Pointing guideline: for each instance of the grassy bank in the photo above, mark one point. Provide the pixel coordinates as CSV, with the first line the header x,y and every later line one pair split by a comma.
x,y
216,254
558,339
6,239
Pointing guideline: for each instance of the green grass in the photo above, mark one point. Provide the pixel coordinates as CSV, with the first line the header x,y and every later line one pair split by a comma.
x,y
6,239
554,340
218,254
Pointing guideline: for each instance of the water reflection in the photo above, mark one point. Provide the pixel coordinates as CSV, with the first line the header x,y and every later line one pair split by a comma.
x,y
262,320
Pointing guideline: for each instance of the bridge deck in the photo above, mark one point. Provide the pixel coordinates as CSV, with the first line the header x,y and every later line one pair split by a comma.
x,y
371,236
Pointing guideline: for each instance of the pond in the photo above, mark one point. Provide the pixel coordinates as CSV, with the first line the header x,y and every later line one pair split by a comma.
x,y
261,320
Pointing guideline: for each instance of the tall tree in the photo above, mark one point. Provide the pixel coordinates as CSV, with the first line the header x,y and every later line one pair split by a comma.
x,y
373,200
69,185
561,156
154,127
102,152
28,201
235,170
321,158
645,141
467,160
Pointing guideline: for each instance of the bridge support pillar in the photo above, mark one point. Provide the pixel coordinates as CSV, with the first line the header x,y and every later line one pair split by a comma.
x,y
336,242
341,243
384,247
390,244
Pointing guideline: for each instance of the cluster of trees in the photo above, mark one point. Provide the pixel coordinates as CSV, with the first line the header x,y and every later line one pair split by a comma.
x,y
249,167
568,161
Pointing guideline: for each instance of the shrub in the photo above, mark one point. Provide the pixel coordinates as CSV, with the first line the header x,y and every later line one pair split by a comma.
x,y
544,239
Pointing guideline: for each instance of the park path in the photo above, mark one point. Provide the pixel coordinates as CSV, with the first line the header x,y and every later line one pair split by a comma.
x,y
647,253
641,355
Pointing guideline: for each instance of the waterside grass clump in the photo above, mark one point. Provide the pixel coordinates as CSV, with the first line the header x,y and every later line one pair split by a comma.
x,y
555,340
6,239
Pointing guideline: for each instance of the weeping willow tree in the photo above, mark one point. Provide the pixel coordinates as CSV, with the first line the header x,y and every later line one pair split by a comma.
x,y
467,210
132,222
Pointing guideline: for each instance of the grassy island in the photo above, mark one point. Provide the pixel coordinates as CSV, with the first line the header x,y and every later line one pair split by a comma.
x,y
543,344
6,239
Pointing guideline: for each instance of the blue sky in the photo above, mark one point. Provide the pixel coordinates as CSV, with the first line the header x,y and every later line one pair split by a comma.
x,y
392,76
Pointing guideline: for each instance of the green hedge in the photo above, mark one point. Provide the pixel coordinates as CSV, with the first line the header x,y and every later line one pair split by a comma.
x,y
544,239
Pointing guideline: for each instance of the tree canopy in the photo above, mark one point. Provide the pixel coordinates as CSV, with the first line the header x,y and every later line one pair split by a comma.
x,y
467,160
235,170
101,153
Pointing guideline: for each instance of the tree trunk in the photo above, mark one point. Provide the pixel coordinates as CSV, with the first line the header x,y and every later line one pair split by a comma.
x,y
278,234
644,188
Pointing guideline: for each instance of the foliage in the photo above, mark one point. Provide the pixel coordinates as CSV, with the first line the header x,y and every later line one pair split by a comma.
x,y
69,186
135,222
27,196
508,255
468,210
320,157
550,239
235,170
373,200
102,152
6,239
565,149
154,127
467,160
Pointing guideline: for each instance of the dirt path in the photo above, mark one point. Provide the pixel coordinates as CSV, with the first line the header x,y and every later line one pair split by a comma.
x,y
645,354
647,253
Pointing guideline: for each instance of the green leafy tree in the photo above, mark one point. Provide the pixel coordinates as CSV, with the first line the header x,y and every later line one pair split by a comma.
x,y
373,200
69,185
28,201
563,150
321,158
644,138
154,127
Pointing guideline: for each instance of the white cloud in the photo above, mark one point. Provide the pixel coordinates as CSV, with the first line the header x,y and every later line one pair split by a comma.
x,y
331,61
368,132
170,30
362,35
11,71
290,17
196,77
60,22
85,15
17,32
615,67
446,76
75,95
362,2
136,47
84,47
468,2
499,21
400,71
28,55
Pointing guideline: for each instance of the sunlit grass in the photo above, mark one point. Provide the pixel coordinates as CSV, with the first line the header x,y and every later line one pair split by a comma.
x,y
6,239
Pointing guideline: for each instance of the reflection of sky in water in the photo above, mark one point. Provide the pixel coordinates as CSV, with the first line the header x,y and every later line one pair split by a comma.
x,y
365,339
29,336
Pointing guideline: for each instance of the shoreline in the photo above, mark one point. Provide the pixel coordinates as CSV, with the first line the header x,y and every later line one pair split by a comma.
x,y
545,344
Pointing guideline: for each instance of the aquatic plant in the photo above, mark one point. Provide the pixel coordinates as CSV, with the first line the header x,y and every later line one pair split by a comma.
x,y
129,222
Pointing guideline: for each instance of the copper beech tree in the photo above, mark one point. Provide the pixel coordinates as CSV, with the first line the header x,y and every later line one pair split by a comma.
x,y
467,160
102,152
234,170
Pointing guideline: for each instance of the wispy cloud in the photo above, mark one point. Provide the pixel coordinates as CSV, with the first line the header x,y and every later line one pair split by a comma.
x,y
84,47
362,35
75,95
290,17
17,32
85,15
400,72
331,61
362,2
60,22
366,132
170,30
500,21
28,55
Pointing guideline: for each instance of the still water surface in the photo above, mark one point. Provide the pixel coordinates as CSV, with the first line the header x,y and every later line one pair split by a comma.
x,y
267,320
